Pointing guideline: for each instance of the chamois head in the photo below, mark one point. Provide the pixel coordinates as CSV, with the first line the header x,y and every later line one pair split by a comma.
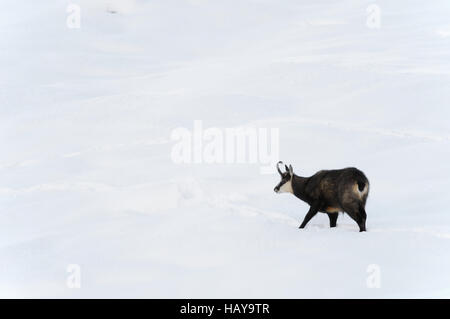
x,y
285,185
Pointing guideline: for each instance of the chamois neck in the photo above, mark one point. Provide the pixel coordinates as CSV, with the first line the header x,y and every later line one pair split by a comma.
x,y
298,187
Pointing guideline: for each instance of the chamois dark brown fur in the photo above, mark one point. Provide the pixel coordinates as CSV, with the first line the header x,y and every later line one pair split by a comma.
x,y
329,191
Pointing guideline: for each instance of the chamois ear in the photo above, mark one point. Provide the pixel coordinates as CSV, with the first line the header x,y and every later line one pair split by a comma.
x,y
286,167
291,170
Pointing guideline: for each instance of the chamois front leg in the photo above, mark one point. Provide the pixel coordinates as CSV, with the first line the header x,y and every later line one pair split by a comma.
x,y
311,213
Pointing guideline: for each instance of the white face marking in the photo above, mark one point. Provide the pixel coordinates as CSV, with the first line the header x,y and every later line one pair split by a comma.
x,y
286,187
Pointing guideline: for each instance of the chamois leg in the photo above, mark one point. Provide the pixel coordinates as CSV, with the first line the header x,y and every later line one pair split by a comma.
x,y
357,216
362,213
333,219
311,213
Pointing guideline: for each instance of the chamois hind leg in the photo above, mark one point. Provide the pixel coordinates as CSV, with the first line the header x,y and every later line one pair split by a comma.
x,y
362,213
333,219
354,211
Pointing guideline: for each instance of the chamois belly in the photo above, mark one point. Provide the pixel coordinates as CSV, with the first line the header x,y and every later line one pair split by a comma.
x,y
332,209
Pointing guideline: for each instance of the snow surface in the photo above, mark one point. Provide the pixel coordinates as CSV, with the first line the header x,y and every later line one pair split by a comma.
x,y
86,175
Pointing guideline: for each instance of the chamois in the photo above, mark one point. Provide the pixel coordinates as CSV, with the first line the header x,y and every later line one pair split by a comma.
x,y
330,192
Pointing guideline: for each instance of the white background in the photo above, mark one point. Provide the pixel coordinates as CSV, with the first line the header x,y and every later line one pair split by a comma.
x,y
86,175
